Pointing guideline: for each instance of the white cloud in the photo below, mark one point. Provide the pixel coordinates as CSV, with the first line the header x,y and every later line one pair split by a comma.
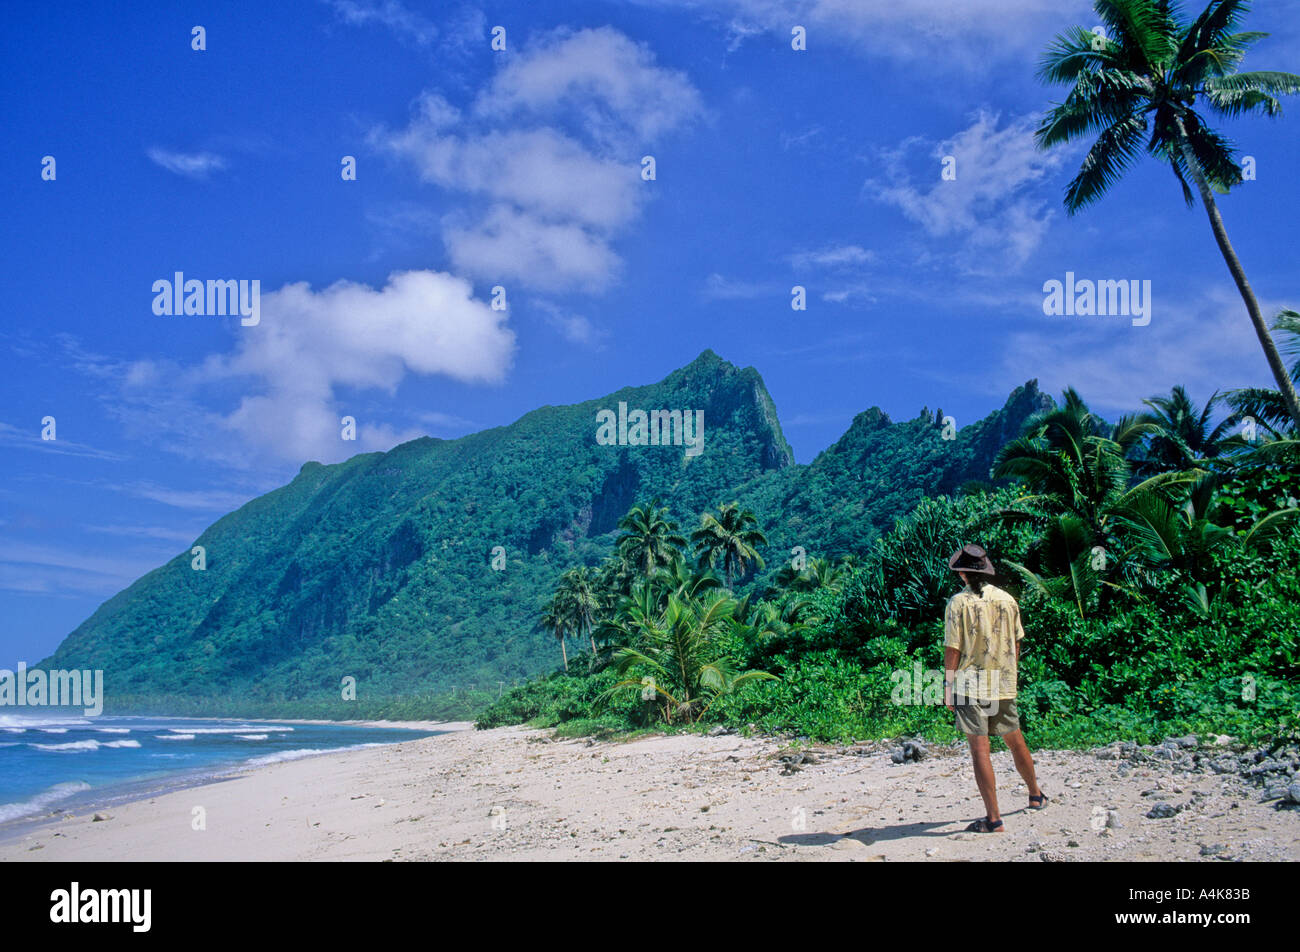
x,y
195,165
436,419
512,245
559,184
406,23
991,207
847,294
30,439
601,79
541,171
215,500
162,533
832,257
948,35
720,288
1205,343
50,570
293,376
575,328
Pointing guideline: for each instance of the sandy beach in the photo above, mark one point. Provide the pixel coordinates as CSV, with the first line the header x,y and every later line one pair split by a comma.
x,y
519,794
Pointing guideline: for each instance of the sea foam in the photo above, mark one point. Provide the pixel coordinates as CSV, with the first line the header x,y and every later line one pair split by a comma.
x,y
60,791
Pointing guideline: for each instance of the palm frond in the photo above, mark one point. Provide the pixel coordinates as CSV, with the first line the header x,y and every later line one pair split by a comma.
x,y
1141,29
1113,152
1071,53
1268,527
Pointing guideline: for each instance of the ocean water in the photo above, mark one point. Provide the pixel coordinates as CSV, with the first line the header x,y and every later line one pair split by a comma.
x,y
51,762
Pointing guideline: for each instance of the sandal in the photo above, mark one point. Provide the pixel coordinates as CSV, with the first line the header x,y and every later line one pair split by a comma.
x,y
984,826
1042,801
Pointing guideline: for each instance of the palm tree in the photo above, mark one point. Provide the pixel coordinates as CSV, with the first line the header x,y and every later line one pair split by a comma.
x,y
1184,536
731,536
1146,77
818,573
1264,406
614,579
670,651
1078,472
754,626
553,620
1067,569
1071,461
1183,437
578,596
649,539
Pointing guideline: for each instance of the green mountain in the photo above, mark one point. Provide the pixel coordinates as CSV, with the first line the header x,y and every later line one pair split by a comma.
x,y
386,567
877,471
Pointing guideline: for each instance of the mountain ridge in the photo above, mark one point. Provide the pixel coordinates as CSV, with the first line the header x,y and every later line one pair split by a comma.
x,y
379,567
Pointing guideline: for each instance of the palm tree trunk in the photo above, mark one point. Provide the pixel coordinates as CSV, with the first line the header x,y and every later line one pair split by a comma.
x,y
1274,359
565,652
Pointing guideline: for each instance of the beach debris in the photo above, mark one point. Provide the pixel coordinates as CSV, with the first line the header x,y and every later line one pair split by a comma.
x,y
1055,856
910,752
100,818
1162,811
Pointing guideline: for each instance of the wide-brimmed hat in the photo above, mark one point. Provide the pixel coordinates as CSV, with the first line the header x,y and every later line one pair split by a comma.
x,y
972,558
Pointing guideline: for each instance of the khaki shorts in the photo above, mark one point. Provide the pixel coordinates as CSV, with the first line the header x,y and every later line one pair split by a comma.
x,y
983,718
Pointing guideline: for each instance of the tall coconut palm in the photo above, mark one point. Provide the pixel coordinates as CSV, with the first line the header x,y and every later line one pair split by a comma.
x,y
1141,82
649,539
730,537
614,579
578,595
553,620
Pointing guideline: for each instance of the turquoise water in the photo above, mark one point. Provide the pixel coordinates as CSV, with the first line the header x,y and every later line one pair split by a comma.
x,y
50,761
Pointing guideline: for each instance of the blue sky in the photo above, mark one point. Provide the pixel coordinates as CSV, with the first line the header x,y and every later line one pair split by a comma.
x,y
521,168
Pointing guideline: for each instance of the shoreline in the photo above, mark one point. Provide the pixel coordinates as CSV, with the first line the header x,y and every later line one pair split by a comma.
x,y
516,793
118,795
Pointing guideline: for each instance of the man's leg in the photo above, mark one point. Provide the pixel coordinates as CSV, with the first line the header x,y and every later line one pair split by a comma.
x,y
1015,742
984,779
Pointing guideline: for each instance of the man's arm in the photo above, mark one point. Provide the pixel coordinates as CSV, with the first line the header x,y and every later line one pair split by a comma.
x,y
951,658
1018,630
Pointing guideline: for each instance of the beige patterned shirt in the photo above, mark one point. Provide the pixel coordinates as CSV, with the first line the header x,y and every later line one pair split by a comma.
x,y
985,629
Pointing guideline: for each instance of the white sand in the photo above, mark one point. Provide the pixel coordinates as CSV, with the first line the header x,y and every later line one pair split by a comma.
x,y
514,793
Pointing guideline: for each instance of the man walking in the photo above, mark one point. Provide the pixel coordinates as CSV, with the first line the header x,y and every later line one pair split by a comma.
x,y
982,633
